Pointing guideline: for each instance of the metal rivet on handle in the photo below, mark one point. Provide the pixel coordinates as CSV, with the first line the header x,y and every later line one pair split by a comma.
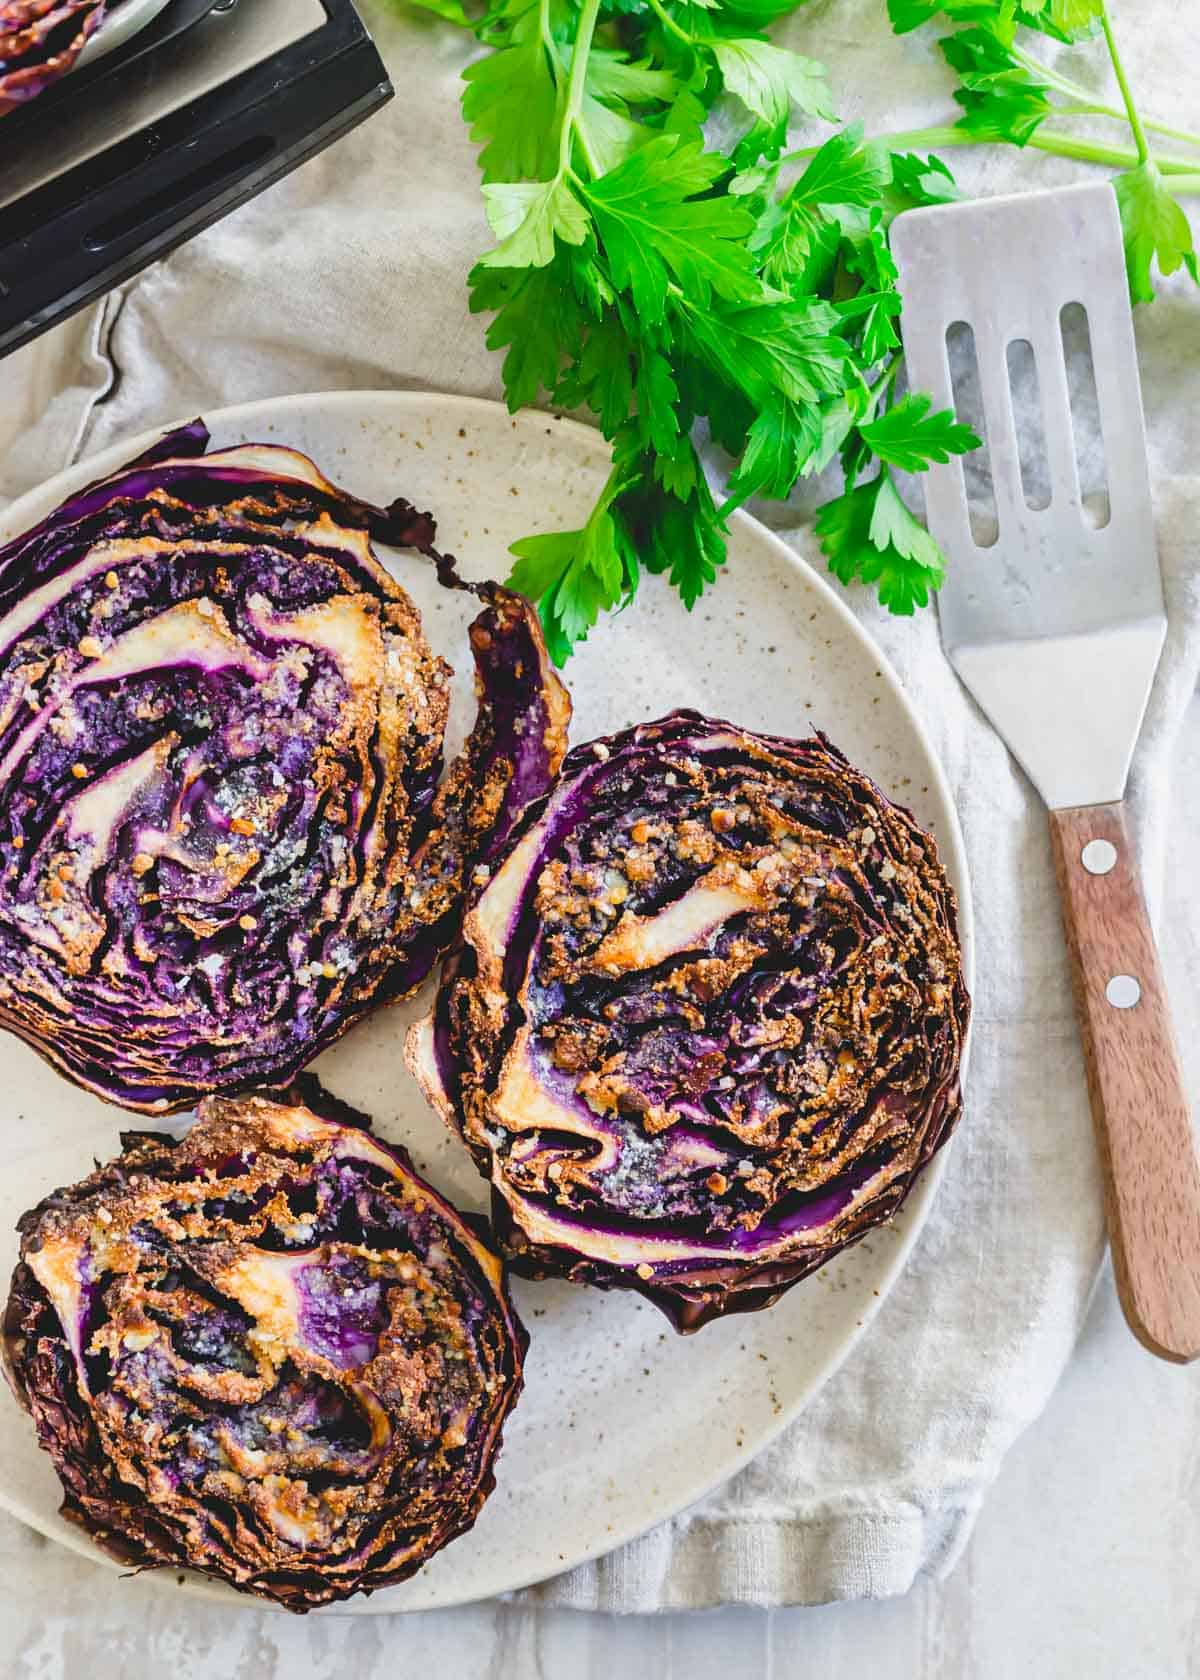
x,y
1098,857
1123,991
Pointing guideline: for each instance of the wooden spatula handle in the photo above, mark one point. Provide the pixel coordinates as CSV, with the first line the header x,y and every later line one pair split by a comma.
x,y
1140,1107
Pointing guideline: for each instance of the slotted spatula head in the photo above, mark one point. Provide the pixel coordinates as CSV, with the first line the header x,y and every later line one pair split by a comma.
x,y
1056,628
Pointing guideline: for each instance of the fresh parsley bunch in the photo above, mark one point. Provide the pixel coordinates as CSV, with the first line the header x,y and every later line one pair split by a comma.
x,y
1007,93
662,280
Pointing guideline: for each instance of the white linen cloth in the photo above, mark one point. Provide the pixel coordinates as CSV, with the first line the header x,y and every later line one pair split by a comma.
x,y
351,274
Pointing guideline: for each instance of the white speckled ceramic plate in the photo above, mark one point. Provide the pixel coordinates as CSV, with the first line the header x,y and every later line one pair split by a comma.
x,y
121,25
622,1422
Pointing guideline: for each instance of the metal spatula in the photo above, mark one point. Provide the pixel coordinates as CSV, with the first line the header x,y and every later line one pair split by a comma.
x,y
1056,629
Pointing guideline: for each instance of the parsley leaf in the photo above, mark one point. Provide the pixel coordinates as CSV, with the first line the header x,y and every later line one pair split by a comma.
x,y
782,438
1003,113
702,390
796,245
838,420
601,375
451,10
655,228
799,235
576,575
768,349
690,539
520,141
757,14
869,535
657,395
538,318
916,181
1155,229
685,118
1002,98
615,77
769,81
909,437
681,535
904,15
1065,18
610,135
527,217
843,171
1068,18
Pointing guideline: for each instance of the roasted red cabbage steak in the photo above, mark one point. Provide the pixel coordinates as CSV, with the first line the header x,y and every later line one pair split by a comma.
x,y
269,1352
705,1024
224,830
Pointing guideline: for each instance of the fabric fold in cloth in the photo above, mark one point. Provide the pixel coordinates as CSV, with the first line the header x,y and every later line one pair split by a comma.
x,y
351,274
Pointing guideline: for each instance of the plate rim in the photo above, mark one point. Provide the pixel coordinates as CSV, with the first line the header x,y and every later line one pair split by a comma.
x,y
43,498
118,27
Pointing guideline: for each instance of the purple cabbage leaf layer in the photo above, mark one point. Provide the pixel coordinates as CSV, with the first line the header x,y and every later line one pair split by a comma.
x,y
705,1025
269,1352
224,829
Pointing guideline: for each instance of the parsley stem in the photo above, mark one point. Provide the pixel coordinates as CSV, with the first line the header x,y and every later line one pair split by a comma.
x,y
730,505
1076,91
1079,108
1058,145
595,168
1183,134
576,85
1094,151
668,22
1131,110
1052,78
886,379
